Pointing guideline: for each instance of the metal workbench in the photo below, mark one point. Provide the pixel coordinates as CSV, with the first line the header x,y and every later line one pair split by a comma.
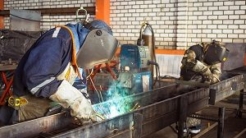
x,y
159,108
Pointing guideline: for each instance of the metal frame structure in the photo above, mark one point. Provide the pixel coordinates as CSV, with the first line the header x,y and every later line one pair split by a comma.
x,y
242,71
160,108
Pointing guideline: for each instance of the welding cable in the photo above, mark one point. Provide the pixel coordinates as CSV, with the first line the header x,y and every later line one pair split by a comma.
x,y
93,84
99,94
157,75
152,63
101,116
90,74
157,70
140,42
153,52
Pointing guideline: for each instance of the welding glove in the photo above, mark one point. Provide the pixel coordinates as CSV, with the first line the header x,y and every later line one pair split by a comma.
x,y
85,94
191,56
204,70
189,59
216,71
211,79
69,97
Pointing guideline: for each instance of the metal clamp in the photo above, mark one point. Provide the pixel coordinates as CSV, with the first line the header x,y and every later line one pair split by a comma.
x,y
86,15
16,102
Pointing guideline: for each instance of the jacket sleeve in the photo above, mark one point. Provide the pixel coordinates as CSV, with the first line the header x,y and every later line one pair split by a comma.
x,y
189,59
216,72
46,60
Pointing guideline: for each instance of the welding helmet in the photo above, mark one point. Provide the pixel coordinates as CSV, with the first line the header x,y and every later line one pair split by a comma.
x,y
99,45
215,52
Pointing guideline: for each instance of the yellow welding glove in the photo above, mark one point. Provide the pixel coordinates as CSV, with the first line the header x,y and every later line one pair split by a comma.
x,y
204,70
70,97
201,68
189,59
216,71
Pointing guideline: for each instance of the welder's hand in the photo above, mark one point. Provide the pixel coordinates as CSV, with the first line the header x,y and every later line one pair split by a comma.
x,y
189,59
211,79
70,97
207,79
191,56
85,94
95,117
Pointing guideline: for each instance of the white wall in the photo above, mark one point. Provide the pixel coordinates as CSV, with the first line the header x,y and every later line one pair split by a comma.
x,y
169,64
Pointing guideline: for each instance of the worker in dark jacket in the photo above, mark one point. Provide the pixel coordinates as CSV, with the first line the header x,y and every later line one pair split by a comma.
x,y
202,63
46,73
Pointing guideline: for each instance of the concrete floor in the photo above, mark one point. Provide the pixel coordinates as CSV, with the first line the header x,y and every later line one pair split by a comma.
x,y
234,127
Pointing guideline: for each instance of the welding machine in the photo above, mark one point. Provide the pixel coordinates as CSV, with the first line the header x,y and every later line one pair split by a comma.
x,y
134,66
133,76
133,57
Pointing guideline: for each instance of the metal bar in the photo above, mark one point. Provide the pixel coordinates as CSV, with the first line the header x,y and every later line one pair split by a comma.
x,y
212,96
198,116
241,99
219,120
226,88
156,117
160,105
165,111
138,120
54,11
182,82
34,127
183,105
107,128
220,133
192,83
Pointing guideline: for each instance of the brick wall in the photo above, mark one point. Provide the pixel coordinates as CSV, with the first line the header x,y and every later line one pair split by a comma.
x,y
48,21
179,23
176,23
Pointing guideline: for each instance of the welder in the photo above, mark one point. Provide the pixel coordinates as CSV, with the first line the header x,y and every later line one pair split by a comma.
x,y
46,75
202,63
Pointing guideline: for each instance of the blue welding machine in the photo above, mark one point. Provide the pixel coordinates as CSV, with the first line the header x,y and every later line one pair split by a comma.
x,y
135,74
134,57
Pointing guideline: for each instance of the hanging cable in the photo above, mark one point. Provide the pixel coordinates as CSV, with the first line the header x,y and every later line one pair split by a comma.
x,y
157,71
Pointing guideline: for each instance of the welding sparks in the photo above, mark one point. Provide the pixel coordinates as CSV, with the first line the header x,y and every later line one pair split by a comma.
x,y
118,102
115,107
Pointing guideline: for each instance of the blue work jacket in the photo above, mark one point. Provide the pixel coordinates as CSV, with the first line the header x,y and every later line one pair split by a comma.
x,y
38,69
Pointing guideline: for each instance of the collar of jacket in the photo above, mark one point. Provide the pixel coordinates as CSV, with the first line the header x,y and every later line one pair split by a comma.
x,y
79,33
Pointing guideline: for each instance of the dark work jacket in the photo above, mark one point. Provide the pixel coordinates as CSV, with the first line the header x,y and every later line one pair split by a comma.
x,y
187,73
45,60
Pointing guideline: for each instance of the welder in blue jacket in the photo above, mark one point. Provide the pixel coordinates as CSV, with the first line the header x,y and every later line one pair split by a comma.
x,y
48,70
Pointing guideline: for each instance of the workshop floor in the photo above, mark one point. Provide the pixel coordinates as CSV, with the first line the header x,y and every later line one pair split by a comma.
x,y
234,126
